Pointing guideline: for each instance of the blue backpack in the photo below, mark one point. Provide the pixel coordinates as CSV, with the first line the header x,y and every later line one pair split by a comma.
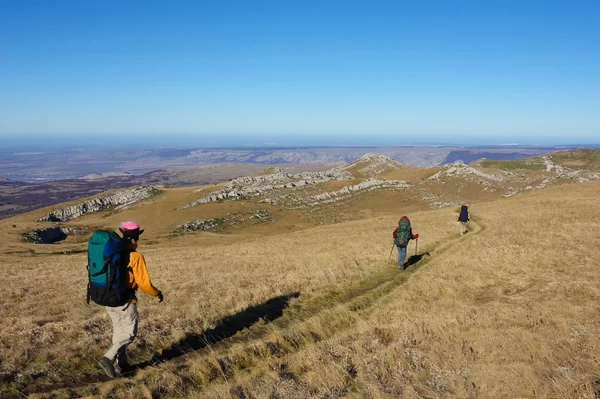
x,y
464,214
108,272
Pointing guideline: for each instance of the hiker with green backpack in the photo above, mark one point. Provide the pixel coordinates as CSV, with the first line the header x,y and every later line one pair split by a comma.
x,y
402,235
116,271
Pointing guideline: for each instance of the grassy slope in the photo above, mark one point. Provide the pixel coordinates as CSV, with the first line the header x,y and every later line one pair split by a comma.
x,y
202,284
575,159
508,311
578,159
535,163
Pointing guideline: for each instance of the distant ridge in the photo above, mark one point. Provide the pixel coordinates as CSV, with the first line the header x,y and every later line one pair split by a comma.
x,y
372,164
84,161
491,177
96,176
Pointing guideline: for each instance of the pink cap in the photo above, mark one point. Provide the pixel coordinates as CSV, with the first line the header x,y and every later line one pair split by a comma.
x,y
129,226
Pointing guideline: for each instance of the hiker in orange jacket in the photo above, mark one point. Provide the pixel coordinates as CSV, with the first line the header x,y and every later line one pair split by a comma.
x,y
125,318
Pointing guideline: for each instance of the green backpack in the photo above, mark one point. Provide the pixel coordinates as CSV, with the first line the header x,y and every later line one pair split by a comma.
x,y
402,233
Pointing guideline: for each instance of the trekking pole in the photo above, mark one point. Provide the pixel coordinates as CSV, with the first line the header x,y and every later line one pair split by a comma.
x,y
416,245
389,257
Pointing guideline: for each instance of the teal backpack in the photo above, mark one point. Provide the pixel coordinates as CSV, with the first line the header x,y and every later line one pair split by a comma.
x,y
402,233
108,272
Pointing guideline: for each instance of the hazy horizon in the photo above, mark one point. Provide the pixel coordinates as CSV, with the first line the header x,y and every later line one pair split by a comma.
x,y
242,141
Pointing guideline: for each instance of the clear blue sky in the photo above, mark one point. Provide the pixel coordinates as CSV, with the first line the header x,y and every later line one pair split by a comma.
x,y
478,69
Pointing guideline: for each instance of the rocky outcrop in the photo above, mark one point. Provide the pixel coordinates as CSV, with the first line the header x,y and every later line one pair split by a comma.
x,y
580,176
297,191
552,167
52,235
252,186
366,185
510,183
591,176
441,204
372,164
459,169
119,200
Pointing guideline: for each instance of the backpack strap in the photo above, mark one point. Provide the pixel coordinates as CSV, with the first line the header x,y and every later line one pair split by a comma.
x,y
103,270
128,303
89,295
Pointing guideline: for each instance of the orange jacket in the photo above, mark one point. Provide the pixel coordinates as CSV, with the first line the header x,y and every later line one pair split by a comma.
x,y
138,275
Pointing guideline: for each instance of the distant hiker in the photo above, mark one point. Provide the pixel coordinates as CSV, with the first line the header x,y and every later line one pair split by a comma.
x,y
402,235
463,219
116,271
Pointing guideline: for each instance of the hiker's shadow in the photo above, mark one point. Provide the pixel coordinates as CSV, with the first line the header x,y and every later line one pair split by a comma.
x,y
415,259
226,328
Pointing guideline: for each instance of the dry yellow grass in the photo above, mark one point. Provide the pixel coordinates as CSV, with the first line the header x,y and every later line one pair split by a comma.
x,y
514,315
509,310
408,173
46,321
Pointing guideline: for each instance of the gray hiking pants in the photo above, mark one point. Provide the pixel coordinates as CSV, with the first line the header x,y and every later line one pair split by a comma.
x,y
125,324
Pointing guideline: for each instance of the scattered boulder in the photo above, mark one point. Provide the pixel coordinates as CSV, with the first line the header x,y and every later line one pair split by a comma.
x,y
440,204
52,235
201,225
259,215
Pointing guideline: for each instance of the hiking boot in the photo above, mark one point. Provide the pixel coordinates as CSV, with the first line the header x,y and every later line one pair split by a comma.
x,y
107,366
122,364
122,369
